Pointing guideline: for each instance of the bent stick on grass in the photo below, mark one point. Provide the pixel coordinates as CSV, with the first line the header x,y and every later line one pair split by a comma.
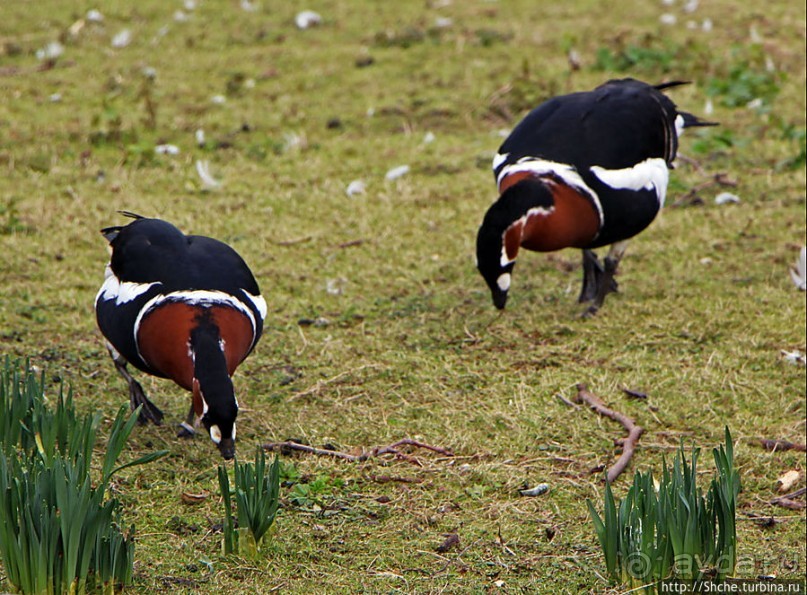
x,y
634,431
769,444
375,452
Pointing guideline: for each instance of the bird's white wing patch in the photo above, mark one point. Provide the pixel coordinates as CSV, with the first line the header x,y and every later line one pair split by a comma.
x,y
123,292
648,175
259,303
565,172
499,159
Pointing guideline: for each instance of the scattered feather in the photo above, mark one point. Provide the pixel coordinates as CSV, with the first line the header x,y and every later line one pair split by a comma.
x,y
51,51
794,357
307,19
755,103
76,28
189,5
668,19
335,286
200,137
706,260
356,187
726,198
668,2
541,488
691,5
707,25
787,480
122,39
95,16
397,172
248,6
149,72
574,59
180,16
166,149
293,140
770,66
443,22
203,169
218,99
55,98
370,112
754,35
428,138
709,107
799,274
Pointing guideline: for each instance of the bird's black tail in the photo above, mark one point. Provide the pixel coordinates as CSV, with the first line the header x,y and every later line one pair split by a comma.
x,y
670,84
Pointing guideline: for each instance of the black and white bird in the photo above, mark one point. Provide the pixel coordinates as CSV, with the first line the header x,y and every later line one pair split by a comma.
x,y
583,170
181,307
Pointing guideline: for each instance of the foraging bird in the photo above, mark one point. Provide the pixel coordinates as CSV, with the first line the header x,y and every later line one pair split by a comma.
x,y
181,307
583,170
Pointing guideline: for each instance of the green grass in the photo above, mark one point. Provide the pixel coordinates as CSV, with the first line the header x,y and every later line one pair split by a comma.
x,y
412,346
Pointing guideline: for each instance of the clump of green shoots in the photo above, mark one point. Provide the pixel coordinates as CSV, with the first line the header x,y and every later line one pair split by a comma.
x,y
669,529
257,499
57,533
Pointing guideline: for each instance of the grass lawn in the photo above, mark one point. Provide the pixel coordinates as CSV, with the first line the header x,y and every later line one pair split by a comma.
x,y
379,326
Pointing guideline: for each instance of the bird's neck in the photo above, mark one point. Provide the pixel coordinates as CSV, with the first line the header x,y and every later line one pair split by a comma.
x,y
210,369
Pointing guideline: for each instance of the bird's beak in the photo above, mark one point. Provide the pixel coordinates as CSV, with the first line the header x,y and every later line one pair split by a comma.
x,y
227,448
499,298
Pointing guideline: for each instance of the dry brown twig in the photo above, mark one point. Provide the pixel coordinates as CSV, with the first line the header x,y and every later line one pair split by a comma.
x,y
634,431
788,501
775,445
378,451
718,179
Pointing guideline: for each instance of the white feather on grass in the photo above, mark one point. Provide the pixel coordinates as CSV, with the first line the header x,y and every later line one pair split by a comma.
x,y
203,169
166,149
356,187
397,172
725,198
794,357
799,274
307,19
122,39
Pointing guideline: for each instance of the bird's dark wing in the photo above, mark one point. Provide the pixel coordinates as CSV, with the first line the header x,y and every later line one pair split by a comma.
x,y
615,126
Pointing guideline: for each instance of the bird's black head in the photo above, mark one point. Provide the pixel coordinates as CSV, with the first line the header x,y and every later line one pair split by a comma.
x,y
493,262
500,235
214,401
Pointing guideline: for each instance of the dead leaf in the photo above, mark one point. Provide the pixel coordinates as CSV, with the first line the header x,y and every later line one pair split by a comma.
x,y
192,499
786,482
451,541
